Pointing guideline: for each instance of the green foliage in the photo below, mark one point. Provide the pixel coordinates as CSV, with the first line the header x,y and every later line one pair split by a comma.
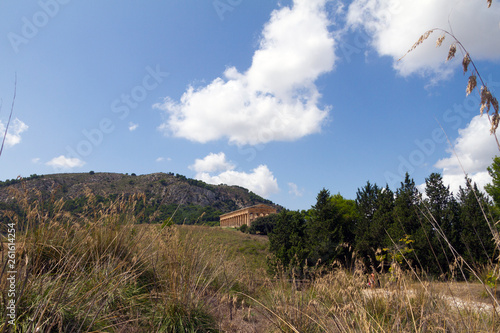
x,y
397,253
493,189
475,233
257,198
375,207
288,241
330,228
244,228
19,180
441,213
320,236
263,225
178,318
384,227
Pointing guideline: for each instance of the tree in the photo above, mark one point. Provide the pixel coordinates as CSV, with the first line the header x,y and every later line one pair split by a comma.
x,y
493,189
375,214
475,232
441,213
367,205
330,228
407,220
263,225
287,241
405,209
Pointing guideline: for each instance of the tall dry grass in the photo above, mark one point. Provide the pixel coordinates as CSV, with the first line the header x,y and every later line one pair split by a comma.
x,y
103,272
338,300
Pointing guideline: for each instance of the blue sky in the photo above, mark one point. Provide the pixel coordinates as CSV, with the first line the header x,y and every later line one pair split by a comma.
x,y
281,97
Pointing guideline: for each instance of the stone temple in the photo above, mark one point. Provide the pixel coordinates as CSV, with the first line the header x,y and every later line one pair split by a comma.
x,y
246,215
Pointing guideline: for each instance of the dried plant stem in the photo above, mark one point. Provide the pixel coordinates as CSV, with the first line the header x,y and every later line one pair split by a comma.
x,y
10,116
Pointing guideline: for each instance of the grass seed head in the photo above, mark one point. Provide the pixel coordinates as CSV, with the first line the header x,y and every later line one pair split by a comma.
x,y
419,41
495,119
465,62
471,85
486,99
451,52
440,40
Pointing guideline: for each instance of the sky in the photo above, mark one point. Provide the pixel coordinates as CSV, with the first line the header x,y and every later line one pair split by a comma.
x,y
281,97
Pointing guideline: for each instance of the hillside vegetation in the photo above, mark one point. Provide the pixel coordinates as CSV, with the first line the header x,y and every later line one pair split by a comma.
x,y
193,201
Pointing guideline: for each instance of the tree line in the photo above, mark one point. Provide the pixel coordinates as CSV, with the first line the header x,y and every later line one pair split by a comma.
x,y
438,233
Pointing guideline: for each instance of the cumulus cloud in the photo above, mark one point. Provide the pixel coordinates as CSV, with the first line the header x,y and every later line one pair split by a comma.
x,y
212,163
132,126
63,162
475,149
13,136
395,25
215,169
276,98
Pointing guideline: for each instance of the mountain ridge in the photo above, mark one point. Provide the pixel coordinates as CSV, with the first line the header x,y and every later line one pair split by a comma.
x,y
163,191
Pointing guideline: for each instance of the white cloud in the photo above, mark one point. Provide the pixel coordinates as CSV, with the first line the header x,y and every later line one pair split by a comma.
x,y
212,163
475,149
276,98
395,25
132,126
260,180
161,159
294,190
13,136
35,160
63,162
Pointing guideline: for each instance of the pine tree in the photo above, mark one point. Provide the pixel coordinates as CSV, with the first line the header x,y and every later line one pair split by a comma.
x,y
407,220
406,209
330,228
475,234
321,229
493,189
375,208
441,213
383,219
287,241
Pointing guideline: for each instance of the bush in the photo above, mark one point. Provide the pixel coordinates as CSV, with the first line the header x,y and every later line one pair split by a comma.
x,y
263,225
243,228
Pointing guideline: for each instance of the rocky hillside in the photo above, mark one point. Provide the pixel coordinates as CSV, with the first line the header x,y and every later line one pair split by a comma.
x,y
165,193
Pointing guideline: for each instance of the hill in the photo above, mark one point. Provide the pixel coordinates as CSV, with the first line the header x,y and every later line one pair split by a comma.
x,y
193,201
